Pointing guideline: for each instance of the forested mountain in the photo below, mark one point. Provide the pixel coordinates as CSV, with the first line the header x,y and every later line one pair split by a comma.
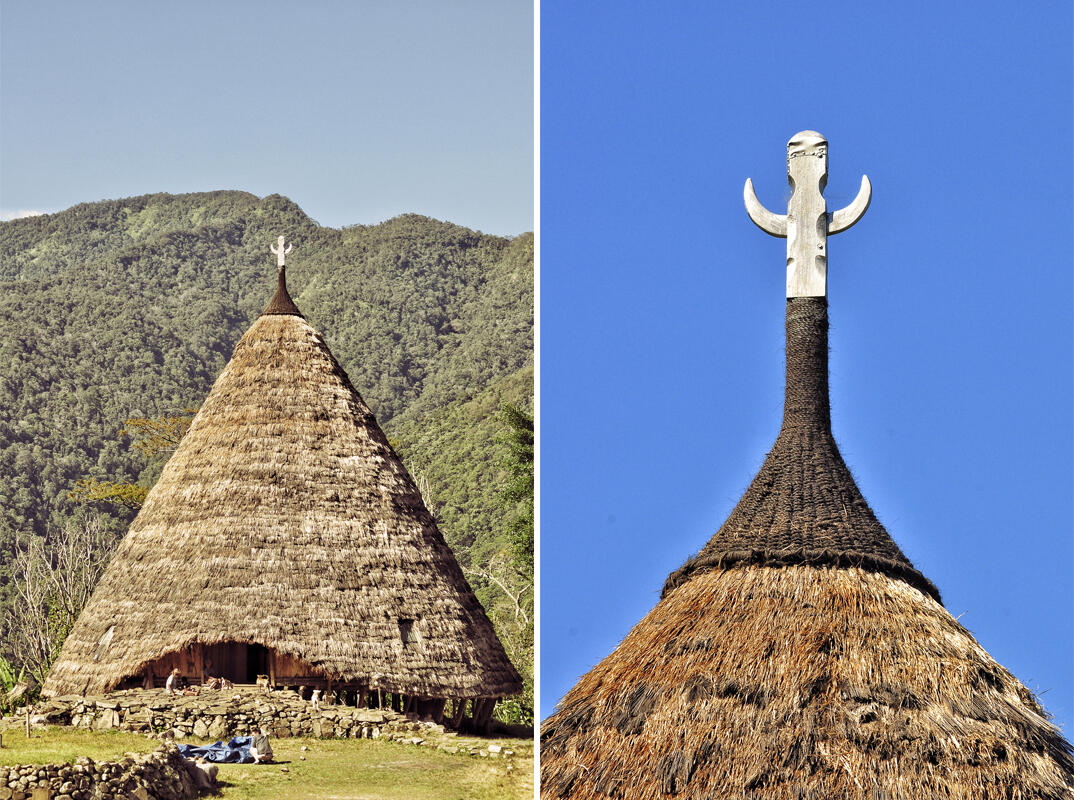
x,y
130,308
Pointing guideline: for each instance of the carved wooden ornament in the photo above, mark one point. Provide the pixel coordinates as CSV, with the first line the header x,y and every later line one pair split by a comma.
x,y
807,223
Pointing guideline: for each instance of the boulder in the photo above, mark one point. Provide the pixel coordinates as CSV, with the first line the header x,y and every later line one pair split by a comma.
x,y
217,728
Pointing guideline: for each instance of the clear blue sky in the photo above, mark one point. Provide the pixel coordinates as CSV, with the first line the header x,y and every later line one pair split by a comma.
x,y
950,302
357,111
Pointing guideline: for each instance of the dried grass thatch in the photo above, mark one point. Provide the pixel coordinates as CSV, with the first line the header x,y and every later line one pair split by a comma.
x,y
800,655
285,519
811,683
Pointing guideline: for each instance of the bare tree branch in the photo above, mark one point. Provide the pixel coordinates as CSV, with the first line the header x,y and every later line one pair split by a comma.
x,y
500,574
52,578
424,487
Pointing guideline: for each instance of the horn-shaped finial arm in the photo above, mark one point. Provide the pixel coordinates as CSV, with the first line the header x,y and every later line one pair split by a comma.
x,y
772,224
845,218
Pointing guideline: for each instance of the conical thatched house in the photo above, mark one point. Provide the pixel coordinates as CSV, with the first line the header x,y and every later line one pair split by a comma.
x,y
286,539
800,654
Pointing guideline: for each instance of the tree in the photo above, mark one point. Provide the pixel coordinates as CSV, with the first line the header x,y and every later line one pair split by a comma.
x,y
511,613
518,493
91,490
157,436
53,577
154,438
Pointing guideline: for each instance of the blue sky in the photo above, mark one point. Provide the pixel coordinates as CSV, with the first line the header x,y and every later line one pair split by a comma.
x,y
950,302
357,111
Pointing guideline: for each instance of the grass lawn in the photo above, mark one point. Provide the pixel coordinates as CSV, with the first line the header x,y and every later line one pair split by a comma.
x,y
361,769
333,769
57,745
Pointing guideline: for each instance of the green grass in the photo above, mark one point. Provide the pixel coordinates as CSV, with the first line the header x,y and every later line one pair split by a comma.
x,y
365,770
60,745
333,769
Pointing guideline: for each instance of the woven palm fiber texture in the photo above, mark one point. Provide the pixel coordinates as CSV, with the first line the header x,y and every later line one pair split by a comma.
x,y
804,506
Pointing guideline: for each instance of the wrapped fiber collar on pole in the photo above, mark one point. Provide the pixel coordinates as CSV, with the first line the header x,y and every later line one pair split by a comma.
x,y
281,302
804,506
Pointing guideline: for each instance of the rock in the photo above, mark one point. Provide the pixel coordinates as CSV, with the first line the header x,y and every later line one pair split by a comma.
x,y
284,769
217,728
303,748
201,728
199,776
495,748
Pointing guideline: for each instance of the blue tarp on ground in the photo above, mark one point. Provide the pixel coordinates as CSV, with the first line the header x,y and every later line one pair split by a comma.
x,y
236,751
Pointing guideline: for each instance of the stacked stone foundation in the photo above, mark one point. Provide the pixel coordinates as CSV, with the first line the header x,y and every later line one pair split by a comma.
x,y
223,714
161,775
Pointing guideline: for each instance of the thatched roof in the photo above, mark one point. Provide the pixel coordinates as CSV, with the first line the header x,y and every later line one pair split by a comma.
x,y
285,519
819,683
801,655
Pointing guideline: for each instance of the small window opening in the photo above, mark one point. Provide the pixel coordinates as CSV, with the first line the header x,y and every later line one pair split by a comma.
x,y
407,633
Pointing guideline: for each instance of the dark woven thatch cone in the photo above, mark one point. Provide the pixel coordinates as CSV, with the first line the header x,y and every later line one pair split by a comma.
x,y
801,655
285,522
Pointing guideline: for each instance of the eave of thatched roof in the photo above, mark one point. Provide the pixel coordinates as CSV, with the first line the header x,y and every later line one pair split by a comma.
x,y
801,682
285,519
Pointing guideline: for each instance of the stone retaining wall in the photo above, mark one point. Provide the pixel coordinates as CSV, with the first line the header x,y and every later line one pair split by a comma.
x,y
160,775
222,714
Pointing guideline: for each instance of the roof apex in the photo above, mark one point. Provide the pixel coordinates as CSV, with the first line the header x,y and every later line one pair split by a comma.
x,y
804,506
281,302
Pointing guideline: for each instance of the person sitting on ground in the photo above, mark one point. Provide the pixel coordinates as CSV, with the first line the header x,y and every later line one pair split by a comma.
x,y
260,748
173,680
215,683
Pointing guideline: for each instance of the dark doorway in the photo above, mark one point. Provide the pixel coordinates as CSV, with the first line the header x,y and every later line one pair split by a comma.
x,y
257,662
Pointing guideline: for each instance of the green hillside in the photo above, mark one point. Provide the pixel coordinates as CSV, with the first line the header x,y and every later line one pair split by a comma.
x,y
130,308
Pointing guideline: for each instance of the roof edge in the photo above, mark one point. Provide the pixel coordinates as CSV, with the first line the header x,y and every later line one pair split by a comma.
x,y
792,557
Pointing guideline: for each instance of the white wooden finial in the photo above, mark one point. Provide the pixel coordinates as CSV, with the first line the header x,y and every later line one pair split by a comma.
x,y
807,223
279,252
